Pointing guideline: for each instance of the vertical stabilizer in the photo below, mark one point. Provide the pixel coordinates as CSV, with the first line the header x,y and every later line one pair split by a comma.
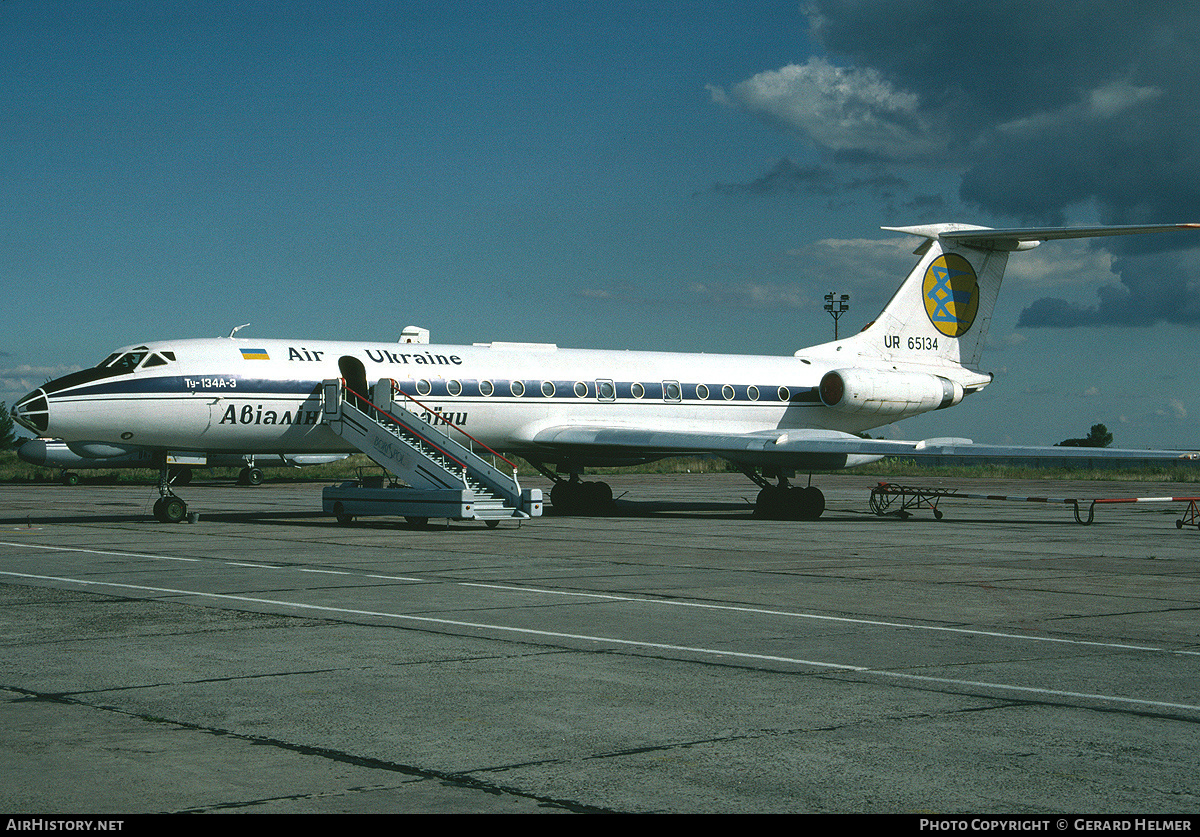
x,y
942,310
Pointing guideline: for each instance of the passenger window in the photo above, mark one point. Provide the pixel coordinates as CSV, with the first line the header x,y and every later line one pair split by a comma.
x,y
486,388
671,391
606,391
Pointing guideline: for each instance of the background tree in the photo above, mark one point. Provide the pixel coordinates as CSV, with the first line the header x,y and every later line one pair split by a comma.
x,y
1099,437
8,439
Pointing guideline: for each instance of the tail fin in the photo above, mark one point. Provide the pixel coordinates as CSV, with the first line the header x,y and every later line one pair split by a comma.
x,y
942,310
941,313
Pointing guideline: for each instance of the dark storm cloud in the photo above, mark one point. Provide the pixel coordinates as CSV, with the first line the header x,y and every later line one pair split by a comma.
x,y
1043,105
1155,287
1043,108
784,176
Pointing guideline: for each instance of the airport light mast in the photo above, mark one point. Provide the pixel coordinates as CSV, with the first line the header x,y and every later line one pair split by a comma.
x,y
836,307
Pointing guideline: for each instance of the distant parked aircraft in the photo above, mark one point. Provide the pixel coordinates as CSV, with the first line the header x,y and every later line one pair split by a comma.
x,y
54,453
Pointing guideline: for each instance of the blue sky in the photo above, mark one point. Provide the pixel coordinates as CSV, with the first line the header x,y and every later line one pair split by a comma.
x,y
684,176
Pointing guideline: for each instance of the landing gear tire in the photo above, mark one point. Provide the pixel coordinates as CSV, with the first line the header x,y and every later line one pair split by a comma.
x,y
170,510
782,502
771,503
576,497
339,514
250,476
70,478
812,503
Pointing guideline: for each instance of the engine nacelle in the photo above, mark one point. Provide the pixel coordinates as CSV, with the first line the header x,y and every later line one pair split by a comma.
x,y
887,393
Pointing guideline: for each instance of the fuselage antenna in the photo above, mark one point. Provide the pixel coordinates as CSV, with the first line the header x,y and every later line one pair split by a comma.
x,y
239,328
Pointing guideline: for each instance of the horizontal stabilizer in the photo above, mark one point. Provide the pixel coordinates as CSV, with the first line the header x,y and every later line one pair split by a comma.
x,y
1025,238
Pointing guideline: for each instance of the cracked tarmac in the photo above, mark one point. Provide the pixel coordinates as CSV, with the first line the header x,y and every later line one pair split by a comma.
x,y
679,656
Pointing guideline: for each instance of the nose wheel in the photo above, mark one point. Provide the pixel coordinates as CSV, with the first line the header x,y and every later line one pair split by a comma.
x,y
250,476
170,509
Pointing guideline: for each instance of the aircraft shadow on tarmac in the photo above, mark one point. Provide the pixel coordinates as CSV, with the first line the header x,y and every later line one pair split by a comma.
x,y
622,509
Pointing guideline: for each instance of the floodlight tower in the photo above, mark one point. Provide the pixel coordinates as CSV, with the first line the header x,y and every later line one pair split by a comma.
x,y
836,307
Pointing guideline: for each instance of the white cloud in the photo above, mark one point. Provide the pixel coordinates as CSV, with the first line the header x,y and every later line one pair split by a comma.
x,y
757,295
1098,104
1062,263
25,377
849,110
877,263
1008,341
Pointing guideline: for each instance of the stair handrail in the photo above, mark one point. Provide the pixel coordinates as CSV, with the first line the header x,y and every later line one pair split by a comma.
x,y
446,421
386,414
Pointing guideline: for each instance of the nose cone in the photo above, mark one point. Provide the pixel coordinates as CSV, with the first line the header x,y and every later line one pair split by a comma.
x,y
33,412
33,451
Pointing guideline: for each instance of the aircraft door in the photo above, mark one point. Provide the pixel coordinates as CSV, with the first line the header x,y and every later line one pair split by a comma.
x,y
355,373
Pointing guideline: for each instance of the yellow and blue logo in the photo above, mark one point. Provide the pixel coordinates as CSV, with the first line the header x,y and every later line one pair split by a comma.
x,y
951,294
255,354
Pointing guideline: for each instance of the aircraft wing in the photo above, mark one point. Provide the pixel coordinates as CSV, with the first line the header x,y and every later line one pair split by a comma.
x,y
801,448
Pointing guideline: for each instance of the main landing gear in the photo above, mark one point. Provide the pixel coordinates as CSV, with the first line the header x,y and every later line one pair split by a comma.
x,y
777,500
573,496
784,501
576,497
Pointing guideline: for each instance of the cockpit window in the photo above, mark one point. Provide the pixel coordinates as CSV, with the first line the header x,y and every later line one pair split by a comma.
x,y
118,363
122,363
127,362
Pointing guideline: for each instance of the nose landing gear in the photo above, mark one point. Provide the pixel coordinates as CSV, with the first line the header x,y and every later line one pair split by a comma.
x,y
168,508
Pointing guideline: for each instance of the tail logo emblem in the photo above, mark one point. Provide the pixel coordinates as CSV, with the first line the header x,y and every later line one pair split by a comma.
x,y
951,294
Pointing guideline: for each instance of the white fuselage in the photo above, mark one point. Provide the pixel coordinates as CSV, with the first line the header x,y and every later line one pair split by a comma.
x,y
263,395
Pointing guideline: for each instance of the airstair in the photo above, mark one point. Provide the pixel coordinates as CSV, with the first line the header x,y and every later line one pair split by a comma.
x,y
445,477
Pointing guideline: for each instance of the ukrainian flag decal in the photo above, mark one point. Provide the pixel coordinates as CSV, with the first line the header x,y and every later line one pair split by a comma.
x,y
255,354
951,294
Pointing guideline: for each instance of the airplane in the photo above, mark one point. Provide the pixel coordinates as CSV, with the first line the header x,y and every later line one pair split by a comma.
x,y
567,409
54,453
